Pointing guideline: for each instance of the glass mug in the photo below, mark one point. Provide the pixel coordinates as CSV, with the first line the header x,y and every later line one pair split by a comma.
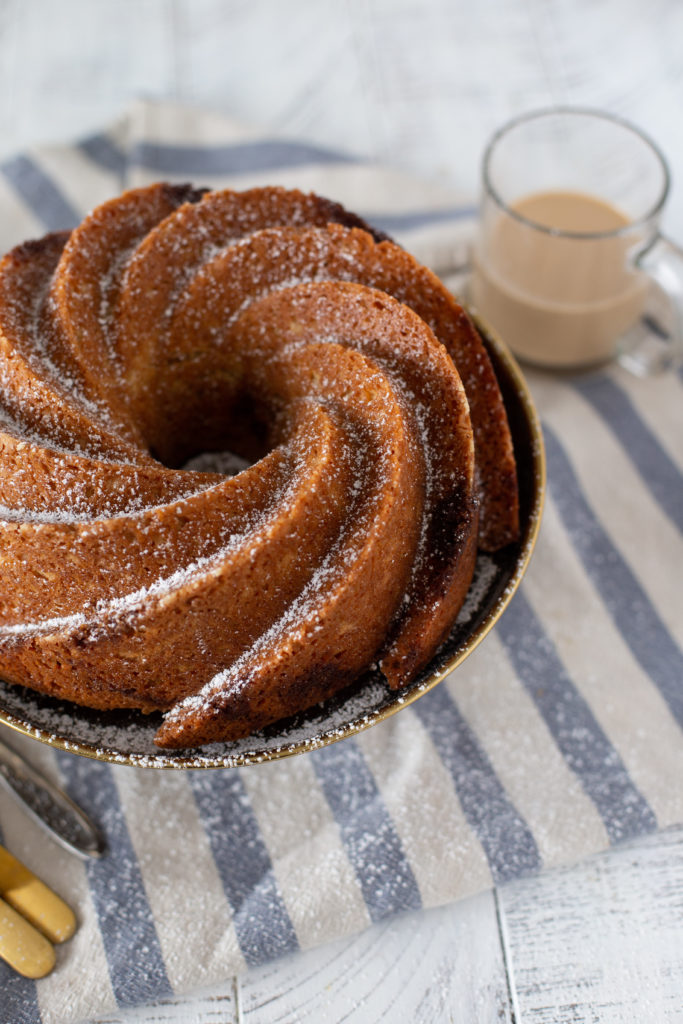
x,y
569,265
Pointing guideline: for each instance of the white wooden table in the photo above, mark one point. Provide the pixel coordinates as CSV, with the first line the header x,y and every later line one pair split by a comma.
x,y
419,84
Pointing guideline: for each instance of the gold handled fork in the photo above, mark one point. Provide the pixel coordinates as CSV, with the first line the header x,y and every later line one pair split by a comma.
x,y
32,919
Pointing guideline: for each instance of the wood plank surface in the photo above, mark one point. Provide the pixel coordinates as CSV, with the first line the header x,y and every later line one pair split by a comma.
x,y
420,85
602,941
412,970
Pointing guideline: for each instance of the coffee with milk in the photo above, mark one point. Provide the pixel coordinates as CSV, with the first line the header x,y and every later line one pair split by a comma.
x,y
552,273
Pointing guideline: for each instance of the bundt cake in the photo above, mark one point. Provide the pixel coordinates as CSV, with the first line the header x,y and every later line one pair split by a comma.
x,y
279,327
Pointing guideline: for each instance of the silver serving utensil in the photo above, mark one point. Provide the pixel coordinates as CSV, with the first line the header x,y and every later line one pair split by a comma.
x,y
49,805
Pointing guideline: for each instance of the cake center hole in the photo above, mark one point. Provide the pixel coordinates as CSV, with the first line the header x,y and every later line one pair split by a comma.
x,y
211,428
228,463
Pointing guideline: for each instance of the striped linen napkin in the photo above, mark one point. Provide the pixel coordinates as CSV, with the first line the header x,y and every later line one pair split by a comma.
x,y
558,737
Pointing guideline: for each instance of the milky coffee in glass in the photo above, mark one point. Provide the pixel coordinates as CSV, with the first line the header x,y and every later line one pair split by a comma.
x,y
570,202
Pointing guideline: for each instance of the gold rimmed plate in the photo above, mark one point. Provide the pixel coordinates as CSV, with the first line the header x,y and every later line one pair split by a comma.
x,y
126,737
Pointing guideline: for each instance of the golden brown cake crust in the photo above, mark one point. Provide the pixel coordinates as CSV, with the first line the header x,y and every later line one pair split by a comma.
x,y
274,324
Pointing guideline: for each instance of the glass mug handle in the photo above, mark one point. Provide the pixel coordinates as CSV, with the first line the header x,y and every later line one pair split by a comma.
x,y
656,344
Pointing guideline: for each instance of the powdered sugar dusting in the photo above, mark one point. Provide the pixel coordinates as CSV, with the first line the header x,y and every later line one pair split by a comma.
x,y
128,737
255,305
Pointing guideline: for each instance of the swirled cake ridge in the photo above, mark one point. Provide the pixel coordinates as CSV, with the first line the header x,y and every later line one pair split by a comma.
x,y
355,394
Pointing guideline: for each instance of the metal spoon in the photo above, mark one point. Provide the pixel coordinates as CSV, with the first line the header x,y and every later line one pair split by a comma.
x,y
49,805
